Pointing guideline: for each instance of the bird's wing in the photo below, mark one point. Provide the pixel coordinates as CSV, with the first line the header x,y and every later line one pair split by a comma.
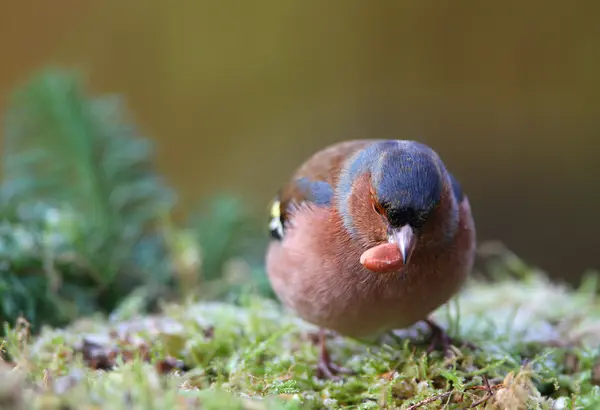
x,y
313,183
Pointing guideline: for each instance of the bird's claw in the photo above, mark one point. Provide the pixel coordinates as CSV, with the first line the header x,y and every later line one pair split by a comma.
x,y
326,369
440,340
330,370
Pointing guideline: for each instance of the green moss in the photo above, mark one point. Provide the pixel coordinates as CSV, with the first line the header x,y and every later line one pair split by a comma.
x,y
537,350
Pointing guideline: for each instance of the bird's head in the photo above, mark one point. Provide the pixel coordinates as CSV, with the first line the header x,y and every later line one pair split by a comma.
x,y
392,192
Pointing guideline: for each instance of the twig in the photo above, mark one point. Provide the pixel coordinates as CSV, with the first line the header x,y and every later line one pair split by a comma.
x,y
488,394
430,400
486,387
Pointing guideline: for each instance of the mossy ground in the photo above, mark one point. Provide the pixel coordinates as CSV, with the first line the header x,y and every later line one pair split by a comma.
x,y
538,349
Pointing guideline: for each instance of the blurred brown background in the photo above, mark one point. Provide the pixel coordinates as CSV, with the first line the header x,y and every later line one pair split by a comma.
x,y
238,93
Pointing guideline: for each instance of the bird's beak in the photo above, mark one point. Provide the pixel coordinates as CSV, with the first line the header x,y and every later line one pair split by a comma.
x,y
405,239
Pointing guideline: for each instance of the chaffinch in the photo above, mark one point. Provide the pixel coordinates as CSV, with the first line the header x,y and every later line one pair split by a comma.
x,y
370,236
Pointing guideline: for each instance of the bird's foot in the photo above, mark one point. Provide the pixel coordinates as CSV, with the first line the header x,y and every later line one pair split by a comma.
x,y
441,341
326,369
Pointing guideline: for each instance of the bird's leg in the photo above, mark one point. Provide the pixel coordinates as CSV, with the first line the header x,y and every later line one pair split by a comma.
x,y
440,340
326,369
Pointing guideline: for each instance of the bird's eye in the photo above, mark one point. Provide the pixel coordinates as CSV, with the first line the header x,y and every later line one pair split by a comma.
x,y
378,208
375,208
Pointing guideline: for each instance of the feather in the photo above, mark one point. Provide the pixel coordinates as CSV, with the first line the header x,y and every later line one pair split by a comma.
x,y
314,183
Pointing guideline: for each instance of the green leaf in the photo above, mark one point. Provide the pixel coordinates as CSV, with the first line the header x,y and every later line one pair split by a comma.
x,y
81,201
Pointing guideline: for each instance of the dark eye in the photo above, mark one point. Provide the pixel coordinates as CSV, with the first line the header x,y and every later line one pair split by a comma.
x,y
376,205
377,208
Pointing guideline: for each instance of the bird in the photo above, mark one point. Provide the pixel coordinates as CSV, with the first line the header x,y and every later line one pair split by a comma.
x,y
369,236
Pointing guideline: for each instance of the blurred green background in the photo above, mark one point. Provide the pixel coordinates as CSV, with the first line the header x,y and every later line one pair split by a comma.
x,y
237,94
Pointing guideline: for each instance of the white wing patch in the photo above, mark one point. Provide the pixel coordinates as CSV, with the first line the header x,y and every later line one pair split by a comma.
x,y
275,223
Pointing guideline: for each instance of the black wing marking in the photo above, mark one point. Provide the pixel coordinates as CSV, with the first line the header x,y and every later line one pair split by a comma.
x,y
305,191
276,219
